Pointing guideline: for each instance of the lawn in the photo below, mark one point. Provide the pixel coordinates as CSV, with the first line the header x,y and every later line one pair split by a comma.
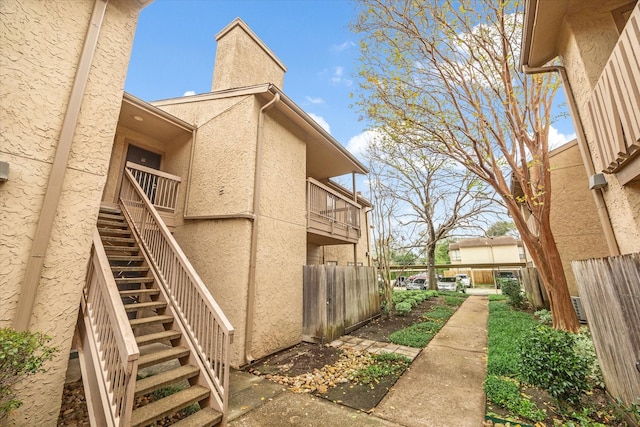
x,y
543,377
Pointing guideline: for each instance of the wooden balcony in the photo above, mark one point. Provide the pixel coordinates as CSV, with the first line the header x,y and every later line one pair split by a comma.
x,y
614,107
331,217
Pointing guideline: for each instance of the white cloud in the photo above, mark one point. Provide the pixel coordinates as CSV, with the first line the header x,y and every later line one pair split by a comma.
x,y
359,144
321,121
314,100
189,93
337,78
556,139
343,46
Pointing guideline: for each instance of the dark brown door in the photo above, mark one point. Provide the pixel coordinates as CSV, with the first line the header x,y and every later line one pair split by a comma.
x,y
143,157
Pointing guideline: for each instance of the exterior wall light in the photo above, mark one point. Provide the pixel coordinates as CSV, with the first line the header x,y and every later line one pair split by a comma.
x,y
597,181
4,171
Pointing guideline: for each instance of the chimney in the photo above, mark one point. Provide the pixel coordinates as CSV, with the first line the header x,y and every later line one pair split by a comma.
x,y
242,59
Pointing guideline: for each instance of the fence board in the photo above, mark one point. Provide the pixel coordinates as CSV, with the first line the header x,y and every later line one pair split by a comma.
x,y
610,293
534,289
337,299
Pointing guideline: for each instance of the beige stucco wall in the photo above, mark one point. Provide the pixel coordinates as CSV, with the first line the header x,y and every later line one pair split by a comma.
x,y
574,219
243,60
40,46
588,37
497,254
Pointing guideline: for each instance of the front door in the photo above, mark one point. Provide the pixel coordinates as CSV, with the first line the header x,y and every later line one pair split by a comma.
x,y
143,157
148,182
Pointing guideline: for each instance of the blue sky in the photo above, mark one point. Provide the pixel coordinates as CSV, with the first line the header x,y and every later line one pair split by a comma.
x,y
174,51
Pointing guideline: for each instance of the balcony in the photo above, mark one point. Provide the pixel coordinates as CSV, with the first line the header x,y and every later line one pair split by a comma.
x,y
331,217
614,107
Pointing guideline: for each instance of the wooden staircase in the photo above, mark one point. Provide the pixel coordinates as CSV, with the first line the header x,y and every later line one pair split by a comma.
x,y
166,367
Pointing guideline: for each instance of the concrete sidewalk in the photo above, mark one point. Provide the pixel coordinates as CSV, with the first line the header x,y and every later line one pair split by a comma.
x,y
443,386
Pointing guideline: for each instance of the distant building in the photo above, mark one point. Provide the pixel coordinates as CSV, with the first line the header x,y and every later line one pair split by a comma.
x,y
487,250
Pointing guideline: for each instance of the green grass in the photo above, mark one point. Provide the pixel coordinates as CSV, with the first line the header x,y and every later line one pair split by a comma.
x,y
497,297
417,335
504,327
384,365
439,312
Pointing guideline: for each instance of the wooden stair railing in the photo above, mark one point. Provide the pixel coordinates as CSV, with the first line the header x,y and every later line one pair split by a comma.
x,y
205,328
162,358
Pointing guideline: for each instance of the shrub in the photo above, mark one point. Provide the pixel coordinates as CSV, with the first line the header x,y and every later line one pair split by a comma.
x,y
544,316
403,308
21,354
584,350
511,288
549,361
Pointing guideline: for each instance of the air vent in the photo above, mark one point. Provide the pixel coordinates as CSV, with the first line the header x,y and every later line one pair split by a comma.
x,y
577,305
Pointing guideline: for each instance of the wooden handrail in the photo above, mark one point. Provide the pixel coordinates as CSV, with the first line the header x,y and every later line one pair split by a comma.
x,y
160,187
208,328
109,339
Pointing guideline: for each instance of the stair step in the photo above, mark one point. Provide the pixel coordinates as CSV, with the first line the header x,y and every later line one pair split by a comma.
x,y
110,223
134,292
151,305
125,258
120,231
159,409
151,320
163,379
206,417
157,337
129,269
162,356
111,216
130,280
108,248
118,239
111,209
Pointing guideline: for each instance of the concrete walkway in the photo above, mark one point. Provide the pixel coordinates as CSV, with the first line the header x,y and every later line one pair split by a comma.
x,y
443,386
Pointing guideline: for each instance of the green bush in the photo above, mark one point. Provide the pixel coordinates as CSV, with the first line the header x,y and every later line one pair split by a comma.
x,y
584,350
544,316
511,288
549,361
21,354
403,308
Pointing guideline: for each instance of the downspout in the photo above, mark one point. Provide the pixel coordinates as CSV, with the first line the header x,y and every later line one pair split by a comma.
x,y
42,236
598,198
257,184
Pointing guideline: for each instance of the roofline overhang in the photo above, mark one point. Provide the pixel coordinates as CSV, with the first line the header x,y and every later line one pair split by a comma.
x,y
157,112
286,106
536,51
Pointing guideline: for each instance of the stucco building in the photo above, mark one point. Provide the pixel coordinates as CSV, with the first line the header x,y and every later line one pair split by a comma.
x,y
240,177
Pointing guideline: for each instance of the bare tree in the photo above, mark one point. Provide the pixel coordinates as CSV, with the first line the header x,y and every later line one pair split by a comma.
x,y
435,196
383,233
447,71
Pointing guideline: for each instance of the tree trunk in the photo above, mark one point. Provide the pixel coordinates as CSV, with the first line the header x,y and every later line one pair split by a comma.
x,y
431,272
546,258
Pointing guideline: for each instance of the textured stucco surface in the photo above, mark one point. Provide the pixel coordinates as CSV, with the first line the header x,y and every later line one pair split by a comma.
x,y
40,45
589,36
241,61
574,219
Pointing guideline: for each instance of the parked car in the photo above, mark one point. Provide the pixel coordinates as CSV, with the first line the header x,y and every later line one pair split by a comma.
x,y
464,279
400,281
447,283
416,284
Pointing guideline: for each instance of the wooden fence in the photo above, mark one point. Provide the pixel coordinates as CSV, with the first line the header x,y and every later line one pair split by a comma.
x,y
534,289
337,300
610,293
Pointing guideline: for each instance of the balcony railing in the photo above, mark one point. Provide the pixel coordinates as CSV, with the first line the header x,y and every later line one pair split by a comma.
x,y
331,214
161,188
614,106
